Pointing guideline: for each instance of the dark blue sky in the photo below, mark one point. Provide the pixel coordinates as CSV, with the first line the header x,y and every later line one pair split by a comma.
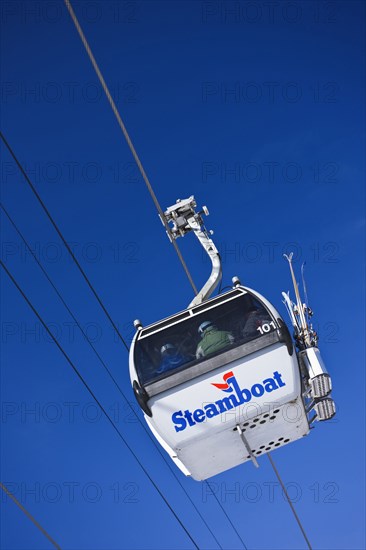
x,y
256,108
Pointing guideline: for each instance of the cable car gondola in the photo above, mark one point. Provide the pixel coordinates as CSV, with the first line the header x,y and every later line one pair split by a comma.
x,y
222,382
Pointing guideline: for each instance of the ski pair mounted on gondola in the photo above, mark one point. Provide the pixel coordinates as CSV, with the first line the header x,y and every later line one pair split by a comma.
x,y
222,382
316,380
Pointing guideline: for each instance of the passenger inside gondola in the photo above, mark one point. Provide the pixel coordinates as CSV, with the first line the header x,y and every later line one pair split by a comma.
x,y
170,358
255,316
212,339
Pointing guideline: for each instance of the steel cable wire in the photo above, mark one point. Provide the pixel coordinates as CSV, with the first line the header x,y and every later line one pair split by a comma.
x,y
58,231
128,139
29,515
289,501
81,378
157,446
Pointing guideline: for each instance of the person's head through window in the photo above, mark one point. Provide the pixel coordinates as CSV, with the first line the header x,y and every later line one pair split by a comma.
x,y
254,318
168,350
171,358
206,326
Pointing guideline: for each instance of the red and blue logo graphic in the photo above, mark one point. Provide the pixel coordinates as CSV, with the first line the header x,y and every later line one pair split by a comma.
x,y
225,387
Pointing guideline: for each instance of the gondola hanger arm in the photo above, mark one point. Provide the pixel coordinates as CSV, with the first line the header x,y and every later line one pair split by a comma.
x,y
183,218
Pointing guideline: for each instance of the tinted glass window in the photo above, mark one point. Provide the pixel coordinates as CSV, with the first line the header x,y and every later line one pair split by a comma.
x,y
201,336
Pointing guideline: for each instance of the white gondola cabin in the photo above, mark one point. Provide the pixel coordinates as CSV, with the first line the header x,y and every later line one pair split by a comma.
x,y
221,383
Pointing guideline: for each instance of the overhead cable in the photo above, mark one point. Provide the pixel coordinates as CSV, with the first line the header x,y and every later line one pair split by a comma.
x,y
58,231
289,501
60,296
81,378
157,446
224,511
29,515
128,139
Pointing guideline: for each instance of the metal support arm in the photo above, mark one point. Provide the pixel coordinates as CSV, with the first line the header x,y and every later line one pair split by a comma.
x,y
183,218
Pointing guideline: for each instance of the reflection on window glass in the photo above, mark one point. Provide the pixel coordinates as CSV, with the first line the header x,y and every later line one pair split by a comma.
x,y
204,335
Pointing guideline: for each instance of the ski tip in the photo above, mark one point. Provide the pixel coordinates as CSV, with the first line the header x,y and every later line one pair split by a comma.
x,y
288,257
